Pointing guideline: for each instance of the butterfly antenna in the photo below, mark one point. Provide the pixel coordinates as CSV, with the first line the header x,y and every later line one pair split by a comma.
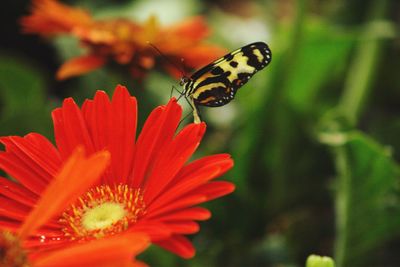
x,y
168,60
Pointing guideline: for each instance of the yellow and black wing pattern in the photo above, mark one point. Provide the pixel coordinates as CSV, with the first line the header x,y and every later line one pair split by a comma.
x,y
217,83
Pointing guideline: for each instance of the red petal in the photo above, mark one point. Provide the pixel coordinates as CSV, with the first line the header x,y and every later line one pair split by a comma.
x,y
183,227
218,159
12,210
172,158
122,133
193,176
154,229
175,193
97,116
179,245
157,131
114,251
52,158
195,213
23,173
75,177
96,113
180,203
79,65
70,129
40,159
35,243
112,125
215,189
32,160
16,192
201,194
11,226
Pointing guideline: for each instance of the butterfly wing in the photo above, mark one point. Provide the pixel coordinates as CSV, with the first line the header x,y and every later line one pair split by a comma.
x,y
217,83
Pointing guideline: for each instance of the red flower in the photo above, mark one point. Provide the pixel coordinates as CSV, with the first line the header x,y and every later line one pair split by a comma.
x,y
149,186
76,176
123,41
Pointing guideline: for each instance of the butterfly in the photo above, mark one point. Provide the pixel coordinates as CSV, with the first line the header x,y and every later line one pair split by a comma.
x,y
216,84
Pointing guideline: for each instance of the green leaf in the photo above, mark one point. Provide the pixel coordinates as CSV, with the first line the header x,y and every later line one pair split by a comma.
x,y
367,205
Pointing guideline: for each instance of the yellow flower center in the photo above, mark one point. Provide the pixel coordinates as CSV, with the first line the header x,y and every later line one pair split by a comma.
x,y
103,216
103,210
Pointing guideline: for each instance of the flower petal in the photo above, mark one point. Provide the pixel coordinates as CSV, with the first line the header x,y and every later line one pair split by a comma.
x,y
183,34
122,133
193,176
157,131
114,251
70,129
215,189
77,175
195,213
79,65
179,245
97,116
203,162
201,55
112,125
183,227
12,210
51,17
16,192
183,202
154,229
177,192
32,160
172,158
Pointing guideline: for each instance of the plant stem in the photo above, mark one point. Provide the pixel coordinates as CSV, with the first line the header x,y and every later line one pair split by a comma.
x,y
359,81
363,68
343,195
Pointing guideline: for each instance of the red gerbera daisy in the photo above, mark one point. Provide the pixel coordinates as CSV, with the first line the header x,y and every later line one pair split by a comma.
x,y
76,176
148,187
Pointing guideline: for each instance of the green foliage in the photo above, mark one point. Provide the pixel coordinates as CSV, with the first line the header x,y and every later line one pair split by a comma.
x,y
367,207
23,97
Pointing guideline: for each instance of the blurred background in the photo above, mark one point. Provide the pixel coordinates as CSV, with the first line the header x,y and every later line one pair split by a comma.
x,y
315,136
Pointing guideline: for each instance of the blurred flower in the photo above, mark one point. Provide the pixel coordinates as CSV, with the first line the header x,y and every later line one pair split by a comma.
x,y
148,186
123,41
76,176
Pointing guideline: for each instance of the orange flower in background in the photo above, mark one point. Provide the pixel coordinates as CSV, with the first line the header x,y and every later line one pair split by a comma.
x,y
123,41
76,176
149,187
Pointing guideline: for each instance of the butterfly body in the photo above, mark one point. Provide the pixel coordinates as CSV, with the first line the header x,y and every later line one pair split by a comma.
x,y
216,84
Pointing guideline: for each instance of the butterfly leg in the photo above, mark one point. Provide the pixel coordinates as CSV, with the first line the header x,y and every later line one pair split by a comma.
x,y
184,118
196,112
187,115
175,89
196,115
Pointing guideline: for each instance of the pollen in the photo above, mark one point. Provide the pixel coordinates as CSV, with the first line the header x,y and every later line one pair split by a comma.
x,y
103,210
